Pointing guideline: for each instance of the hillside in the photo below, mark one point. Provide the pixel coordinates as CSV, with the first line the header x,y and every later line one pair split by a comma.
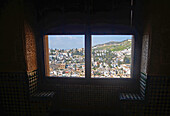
x,y
113,46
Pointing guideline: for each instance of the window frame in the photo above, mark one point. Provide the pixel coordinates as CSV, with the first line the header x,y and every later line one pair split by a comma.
x,y
88,48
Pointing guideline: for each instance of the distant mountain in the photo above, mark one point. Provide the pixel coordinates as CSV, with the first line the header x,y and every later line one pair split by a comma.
x,y
113,45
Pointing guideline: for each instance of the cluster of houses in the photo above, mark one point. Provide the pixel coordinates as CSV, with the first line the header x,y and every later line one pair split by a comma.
x,y
116,67
105,63
67,63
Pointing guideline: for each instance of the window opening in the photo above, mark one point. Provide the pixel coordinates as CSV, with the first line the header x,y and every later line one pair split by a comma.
x,y
111,56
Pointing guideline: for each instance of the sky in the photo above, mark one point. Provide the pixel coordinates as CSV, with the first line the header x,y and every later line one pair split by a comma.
x,y
66,41
100,39
78,41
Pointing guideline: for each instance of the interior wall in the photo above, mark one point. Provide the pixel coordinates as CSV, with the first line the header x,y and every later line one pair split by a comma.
x,y
154,21
155,57
160,55
14,88
11,31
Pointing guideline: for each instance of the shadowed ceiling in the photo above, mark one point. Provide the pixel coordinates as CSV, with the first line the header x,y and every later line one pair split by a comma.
x,y
108,11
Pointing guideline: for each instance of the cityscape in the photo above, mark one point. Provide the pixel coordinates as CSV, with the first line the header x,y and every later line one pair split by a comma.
x,y
109,59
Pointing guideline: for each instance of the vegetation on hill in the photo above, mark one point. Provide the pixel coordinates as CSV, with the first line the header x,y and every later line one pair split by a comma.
x,y
114,46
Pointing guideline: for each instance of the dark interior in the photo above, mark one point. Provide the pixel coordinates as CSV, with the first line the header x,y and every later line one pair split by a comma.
x,y
25,90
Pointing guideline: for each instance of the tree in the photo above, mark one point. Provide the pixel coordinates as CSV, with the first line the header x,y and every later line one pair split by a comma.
x,y
98,73
126,60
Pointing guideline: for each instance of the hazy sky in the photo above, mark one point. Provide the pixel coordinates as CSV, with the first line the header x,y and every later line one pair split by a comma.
x,y
78,41
66,41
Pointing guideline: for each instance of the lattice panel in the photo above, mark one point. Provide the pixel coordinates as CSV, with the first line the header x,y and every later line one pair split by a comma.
x,y
158,96
14,94
32,78
30,48
145,54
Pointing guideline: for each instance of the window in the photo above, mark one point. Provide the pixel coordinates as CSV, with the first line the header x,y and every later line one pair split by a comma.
x,y
110,56
66,55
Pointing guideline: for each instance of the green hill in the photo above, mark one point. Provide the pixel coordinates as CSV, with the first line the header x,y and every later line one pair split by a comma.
x,y
113,46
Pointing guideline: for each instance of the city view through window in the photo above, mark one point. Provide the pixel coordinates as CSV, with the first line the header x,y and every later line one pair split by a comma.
x,y
110,56
66,55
